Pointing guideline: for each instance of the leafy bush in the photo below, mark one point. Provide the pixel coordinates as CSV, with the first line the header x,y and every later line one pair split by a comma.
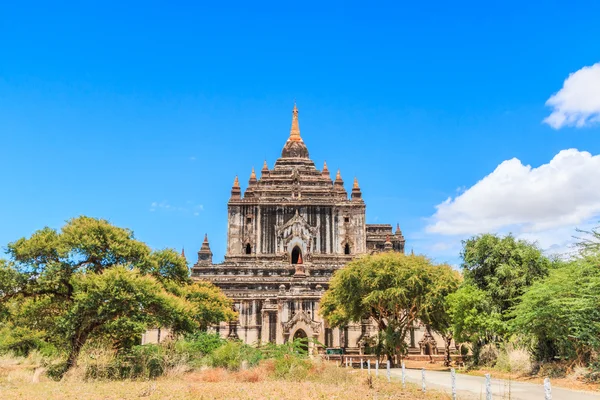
x,y
202,343
292,367
22,341
231,355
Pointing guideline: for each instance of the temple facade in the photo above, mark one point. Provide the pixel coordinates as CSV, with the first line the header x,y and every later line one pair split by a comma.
x,y
288,232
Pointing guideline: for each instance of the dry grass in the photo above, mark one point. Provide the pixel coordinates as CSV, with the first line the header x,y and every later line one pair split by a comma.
x,y
323,382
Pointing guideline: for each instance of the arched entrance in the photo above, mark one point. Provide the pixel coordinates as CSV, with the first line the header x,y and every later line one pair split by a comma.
x,y
248,249
297,256
302,337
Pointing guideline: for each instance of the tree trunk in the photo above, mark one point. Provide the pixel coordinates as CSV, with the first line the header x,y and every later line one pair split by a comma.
x,y
447,342
76,345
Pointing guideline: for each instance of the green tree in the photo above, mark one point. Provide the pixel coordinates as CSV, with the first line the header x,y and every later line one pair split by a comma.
x,y
93,281
497,272
392,289
435,312
503,267
562,313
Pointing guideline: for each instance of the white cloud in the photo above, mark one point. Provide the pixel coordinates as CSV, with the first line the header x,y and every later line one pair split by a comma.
x,y
543,204
165,206
578,102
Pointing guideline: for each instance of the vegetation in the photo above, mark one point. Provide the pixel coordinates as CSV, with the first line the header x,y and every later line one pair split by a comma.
x,y
519,310
497,272
93,282
394,290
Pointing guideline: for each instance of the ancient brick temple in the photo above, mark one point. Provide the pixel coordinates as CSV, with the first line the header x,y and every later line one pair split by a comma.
x,y
288,232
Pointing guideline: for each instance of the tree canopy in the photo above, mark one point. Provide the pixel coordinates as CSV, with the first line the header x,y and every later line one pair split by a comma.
x,y
497,271
392,289
94,281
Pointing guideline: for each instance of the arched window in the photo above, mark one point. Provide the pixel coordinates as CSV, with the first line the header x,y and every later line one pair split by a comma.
x,y
296,255
347,249
248,249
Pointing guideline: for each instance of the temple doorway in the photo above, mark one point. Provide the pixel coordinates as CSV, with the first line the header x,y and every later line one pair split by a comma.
x,y
301,335
296,255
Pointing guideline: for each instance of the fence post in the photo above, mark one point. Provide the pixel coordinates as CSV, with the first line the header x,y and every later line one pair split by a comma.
x,y
377,368
547,389
453,379
423,386
361,364
389,376
488,387
369,366
403,375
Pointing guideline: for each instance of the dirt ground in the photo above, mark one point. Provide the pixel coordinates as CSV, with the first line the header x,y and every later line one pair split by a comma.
x,y
328,383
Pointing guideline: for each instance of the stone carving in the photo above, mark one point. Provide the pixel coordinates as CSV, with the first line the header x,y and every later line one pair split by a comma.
x,y
301,317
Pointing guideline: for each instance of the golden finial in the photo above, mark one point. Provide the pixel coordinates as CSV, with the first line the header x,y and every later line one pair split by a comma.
x,y
355,183
325,167
338,176
295,130
236,182
265,166
253,174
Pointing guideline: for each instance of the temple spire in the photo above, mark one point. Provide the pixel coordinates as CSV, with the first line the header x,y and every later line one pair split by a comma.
x,y
356,193
325,172
338,176
236,192
205,255
252,177
183,252
295,130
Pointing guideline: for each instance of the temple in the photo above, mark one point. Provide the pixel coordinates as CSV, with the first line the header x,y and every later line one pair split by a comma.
x,y
288,232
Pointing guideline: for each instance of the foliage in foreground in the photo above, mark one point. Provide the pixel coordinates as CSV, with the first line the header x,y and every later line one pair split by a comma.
x,y
497,272
92,282
393,289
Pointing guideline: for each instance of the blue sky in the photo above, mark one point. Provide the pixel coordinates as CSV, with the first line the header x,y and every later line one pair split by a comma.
x,y
144,113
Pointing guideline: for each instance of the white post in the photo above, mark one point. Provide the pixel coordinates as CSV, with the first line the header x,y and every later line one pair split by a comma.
x,y
423,386
547,389
403,375
377,367
369,366
389,376
488,387
351,365
453,379
361,364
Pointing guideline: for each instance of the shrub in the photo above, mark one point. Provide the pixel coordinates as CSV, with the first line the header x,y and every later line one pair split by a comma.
x,y
22,341
231,355
201,343
488,355
292,367
514,359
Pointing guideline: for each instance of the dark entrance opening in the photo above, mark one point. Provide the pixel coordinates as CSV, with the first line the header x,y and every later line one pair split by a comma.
x,y
347,249
248,249
296,255
302,339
